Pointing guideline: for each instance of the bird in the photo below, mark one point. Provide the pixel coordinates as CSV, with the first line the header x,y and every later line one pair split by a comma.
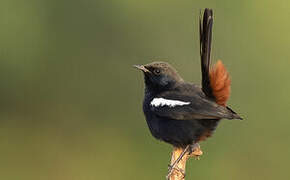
x,y
182,113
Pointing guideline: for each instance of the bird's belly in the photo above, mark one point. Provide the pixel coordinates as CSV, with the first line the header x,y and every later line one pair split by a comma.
x,y
181,133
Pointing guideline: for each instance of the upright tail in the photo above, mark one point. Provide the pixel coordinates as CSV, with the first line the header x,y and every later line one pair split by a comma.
x,y
205,33
216,83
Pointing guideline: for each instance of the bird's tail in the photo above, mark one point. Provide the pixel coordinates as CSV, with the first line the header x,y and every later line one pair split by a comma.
x,y
220,83
216,83
205,34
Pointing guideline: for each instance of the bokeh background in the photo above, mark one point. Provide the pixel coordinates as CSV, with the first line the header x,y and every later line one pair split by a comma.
x,y
70,101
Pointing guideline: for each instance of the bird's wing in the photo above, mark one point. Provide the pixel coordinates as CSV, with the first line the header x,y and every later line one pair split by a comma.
x,y
174,105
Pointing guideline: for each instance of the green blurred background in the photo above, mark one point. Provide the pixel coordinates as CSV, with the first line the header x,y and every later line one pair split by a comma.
x,y
70,105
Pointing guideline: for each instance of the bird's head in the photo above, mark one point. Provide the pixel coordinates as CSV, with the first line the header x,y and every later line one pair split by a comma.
x,y
159,75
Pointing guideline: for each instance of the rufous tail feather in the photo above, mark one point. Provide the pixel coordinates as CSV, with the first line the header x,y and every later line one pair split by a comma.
x,y
220,83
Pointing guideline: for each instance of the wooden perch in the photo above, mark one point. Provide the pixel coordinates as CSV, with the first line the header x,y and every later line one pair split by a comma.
x,y
177,172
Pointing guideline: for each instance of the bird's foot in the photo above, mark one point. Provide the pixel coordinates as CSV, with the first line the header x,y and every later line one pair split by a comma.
x,y
195,151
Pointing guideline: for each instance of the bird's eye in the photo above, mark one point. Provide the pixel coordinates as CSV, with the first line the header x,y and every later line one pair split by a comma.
x,y
157,71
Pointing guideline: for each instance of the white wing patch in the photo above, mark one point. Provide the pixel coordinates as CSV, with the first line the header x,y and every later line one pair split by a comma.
x,y
156,102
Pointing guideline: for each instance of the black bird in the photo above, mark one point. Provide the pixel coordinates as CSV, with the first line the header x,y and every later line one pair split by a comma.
x,y
182,113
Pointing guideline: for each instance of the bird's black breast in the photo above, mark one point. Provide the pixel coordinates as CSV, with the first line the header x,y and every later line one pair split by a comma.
x,y
152,120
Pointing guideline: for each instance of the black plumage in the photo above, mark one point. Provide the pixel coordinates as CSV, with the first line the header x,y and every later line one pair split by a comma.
x,y
178,112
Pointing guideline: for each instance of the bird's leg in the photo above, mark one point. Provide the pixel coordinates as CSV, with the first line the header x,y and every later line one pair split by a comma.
x,y
172,166
195,150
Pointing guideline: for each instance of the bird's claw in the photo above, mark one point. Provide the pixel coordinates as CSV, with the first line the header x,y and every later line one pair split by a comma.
x,y
195,151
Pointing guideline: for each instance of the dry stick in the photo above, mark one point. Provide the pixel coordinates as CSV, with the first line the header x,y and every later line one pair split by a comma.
x,y
178,162
172,165
178,172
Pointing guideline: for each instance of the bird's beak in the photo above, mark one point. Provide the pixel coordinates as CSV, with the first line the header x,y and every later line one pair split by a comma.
x,y
141,67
